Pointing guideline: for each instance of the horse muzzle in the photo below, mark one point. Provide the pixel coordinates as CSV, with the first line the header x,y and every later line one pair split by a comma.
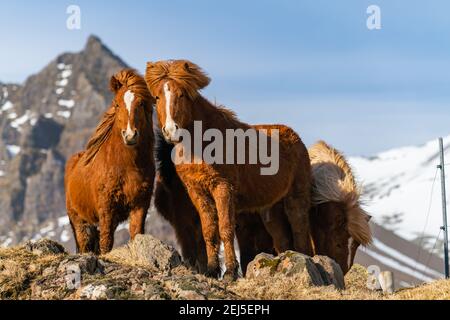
x,y
130,138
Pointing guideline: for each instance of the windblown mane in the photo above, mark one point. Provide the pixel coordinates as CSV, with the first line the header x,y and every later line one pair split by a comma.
x,y
187,74
334,181
131,80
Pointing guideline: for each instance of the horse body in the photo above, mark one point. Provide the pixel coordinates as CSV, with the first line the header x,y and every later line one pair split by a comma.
x,y
220,191
113,179
338,223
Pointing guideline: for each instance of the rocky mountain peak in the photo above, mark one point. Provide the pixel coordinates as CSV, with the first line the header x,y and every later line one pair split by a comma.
x,y
42,123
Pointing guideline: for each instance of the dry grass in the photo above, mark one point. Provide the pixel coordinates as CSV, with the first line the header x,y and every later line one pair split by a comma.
x,y
20,268
17,268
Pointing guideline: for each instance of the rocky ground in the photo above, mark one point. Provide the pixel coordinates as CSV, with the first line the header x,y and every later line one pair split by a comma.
x,y
149,269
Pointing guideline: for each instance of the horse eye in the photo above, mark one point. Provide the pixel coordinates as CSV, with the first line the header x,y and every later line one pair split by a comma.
x,y
182,95
157,98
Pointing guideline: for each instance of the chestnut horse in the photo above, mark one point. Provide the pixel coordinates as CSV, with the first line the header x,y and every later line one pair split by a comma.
x,y
336,217
220,191
112,180
338,223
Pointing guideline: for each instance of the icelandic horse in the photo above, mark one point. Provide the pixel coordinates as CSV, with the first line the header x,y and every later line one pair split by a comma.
x,y
220,191
112,180
339,224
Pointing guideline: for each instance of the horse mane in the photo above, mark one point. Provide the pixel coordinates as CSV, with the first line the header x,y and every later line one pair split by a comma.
x,y
188,75
129,78
334,181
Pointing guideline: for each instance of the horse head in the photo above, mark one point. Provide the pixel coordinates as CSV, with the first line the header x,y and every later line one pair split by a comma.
x,y
175,84
132,104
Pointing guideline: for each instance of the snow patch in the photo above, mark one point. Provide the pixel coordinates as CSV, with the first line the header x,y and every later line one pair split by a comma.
x,y
62,83
64,114
12,116
48,115
8,105
13,150
66,74
65,236
28,116
2,173
7,242
66,103
59,91
47,229
63,221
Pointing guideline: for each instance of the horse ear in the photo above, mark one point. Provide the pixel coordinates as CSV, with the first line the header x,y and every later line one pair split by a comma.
x,y
114,84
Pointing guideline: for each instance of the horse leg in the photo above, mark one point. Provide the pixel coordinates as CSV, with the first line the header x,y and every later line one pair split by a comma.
x,y
107,228
277,225
208,219
297,204
245,238
223,196
202,259
137,221
81,234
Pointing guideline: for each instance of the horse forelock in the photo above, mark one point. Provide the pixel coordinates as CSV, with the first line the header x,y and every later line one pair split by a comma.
x,y
184,73
131,81
333,181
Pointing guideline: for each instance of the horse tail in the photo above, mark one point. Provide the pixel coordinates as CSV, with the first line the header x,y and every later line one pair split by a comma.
x,y
334,181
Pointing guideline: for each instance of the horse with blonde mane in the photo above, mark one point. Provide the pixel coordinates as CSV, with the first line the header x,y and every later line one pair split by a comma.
x,y
220,191
112,180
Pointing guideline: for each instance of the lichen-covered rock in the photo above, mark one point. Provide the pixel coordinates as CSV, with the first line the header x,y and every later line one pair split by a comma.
x,y
147,251
44,246
330,271
320,271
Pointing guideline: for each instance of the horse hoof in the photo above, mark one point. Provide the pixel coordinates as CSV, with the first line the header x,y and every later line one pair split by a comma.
x,y
213,273
230,276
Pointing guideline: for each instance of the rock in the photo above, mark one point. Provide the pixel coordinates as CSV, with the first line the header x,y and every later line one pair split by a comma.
x,y
320,271
330,271
89,264
387,283
44,247
146,250
93,292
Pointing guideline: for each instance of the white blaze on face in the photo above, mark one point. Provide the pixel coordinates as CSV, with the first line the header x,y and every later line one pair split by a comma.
x,y
349,258
128,98
170,126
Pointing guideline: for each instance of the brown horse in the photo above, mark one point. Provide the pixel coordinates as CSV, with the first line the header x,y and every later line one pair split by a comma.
x,y
336,218
219,191
112,180
338,223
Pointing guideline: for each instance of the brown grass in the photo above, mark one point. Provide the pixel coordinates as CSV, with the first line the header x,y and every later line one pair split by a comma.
x,y
19,269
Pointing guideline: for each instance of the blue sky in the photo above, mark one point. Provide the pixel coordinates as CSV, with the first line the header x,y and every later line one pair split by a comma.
x,y
311,64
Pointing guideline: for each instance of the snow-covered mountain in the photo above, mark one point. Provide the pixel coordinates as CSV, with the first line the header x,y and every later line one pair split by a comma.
x,y
403,194
402,188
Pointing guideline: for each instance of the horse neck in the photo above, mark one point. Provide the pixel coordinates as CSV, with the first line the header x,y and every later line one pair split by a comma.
x,y
212,117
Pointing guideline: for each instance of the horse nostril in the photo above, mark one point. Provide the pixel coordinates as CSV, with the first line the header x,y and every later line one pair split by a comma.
x,y
176,127
123,133
164,130
136,133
